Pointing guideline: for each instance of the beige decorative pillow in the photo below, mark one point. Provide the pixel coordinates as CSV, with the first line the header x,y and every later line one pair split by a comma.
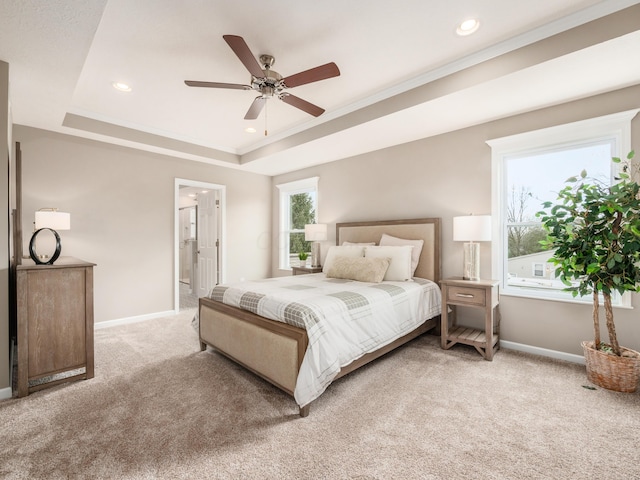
x,y
362,269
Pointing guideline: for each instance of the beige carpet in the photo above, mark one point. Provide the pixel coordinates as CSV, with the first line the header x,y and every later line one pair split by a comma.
x,y
160,408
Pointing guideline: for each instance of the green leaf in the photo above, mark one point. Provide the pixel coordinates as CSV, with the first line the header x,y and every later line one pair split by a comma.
x,y
592,268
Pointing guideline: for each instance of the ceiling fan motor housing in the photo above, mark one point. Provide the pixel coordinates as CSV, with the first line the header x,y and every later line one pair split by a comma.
x,y
271,83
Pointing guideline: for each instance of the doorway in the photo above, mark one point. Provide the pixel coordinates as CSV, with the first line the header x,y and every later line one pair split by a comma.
x,y
199,240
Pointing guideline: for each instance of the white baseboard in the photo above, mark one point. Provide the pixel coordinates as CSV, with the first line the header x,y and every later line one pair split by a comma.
x,y
544,352
129,320
6,393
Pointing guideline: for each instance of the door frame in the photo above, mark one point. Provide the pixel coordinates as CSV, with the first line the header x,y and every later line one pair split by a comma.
x,y
222,229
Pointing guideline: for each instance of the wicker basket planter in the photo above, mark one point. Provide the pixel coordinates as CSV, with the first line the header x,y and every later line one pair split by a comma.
x,y
620,374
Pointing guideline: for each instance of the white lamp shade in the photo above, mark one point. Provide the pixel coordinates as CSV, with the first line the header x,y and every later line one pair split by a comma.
x,y
315,232
53,220
472,228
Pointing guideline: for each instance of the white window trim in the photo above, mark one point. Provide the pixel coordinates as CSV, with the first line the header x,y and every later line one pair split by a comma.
x,y
286,190
617,126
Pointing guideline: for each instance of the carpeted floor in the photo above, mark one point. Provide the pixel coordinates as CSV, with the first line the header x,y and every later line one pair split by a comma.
x,y
160,408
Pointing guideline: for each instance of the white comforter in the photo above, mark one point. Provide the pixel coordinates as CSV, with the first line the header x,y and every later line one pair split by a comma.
x,y
344,319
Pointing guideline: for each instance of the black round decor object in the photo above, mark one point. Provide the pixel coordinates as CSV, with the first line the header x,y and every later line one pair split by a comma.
x,y
32,249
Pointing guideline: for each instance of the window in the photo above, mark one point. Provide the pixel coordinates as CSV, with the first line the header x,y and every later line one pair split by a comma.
x,y
539,270
529,169
298,207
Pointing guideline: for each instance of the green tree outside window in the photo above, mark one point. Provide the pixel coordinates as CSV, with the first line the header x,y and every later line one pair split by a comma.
x,y
302,213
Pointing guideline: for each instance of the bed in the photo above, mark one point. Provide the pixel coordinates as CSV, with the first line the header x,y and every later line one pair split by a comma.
x,y
282,353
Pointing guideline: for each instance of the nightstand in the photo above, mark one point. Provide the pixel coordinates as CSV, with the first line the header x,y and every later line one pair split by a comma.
x,y
476,294
306,270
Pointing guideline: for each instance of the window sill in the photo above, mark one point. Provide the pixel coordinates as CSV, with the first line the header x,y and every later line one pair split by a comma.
x,y
560,298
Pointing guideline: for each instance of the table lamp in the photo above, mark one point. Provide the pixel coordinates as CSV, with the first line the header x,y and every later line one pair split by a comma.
x,y
316,233
472,229
53,220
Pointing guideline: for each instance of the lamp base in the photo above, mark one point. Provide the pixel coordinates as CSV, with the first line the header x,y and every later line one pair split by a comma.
x,y
471,262
315,254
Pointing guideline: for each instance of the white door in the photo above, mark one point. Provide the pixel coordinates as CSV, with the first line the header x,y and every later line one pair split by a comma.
x,y
186,238
207,241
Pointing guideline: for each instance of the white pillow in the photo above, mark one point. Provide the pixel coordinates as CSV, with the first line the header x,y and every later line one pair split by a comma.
x,y
388,240
400,267
359,244
342,251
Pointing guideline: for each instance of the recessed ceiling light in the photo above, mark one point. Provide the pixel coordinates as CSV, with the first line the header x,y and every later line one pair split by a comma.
x,y
122,87
250,130
468,27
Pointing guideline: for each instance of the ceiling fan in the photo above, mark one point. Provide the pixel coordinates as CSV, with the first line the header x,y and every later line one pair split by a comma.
x,y
269,82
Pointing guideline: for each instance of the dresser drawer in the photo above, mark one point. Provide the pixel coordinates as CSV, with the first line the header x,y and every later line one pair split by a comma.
x,y
466,295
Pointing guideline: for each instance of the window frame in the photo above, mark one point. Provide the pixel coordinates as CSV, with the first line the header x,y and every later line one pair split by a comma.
x,y
306,185
615,128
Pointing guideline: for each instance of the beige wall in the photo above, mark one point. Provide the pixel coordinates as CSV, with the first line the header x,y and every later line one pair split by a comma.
x,y
5,149
121,201
449,175
122,216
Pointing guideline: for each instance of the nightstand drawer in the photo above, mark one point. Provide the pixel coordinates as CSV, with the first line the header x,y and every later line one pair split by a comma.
x,y
466,295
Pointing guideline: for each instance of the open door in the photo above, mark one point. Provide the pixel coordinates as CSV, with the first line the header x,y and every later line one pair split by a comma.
x,y
207,242
208,247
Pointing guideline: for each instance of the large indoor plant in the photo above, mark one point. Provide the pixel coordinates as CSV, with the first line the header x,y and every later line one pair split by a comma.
x,y
594,228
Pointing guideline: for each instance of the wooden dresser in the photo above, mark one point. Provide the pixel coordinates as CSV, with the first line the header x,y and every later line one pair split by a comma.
x,y
55,323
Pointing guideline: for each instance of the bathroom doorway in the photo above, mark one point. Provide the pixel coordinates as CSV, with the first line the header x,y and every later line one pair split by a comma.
x,y
199,240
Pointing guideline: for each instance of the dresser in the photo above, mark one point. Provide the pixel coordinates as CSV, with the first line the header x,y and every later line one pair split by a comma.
x,y
55,323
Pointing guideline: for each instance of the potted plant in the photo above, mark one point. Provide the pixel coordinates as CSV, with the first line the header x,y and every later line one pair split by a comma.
x,y
595,230
303,258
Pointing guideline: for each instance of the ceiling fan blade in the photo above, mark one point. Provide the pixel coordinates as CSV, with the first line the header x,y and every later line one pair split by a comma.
x,y
322,72
241,49
234,86
303,105
255,108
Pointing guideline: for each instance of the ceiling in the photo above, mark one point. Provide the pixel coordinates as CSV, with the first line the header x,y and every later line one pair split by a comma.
x,y
64,56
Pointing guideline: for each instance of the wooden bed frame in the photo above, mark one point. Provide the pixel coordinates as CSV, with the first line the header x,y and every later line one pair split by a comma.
x,y
274,350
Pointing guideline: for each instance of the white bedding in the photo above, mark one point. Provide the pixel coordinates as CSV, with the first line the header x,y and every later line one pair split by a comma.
x,y
344,319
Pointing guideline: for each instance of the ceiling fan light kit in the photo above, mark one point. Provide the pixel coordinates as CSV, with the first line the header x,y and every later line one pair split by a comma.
x,y
270,83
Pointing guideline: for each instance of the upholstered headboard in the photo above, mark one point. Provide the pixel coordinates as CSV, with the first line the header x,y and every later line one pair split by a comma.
x,y
427,229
